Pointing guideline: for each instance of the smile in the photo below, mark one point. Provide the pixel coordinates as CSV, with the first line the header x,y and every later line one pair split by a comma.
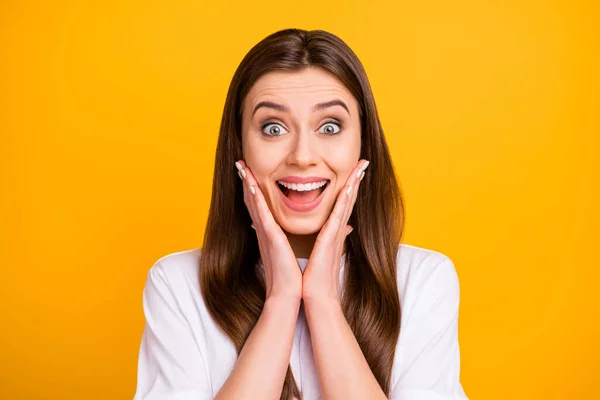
x,y
302,197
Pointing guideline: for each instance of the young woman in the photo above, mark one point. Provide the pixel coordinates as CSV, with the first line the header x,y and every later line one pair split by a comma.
x,y
301,288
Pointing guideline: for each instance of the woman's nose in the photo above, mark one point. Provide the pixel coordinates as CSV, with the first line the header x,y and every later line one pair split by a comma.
x,y
304,149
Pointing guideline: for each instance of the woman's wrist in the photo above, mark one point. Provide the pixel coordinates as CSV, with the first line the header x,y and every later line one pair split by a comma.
x,y
283,302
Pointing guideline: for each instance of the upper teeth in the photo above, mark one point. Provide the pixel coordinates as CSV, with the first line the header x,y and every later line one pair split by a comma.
x,y
301,187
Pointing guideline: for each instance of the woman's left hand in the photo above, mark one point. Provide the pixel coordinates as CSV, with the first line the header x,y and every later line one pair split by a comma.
x,y
320,280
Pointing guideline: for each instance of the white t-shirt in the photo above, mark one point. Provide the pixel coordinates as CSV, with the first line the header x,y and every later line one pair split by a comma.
x,y
185,356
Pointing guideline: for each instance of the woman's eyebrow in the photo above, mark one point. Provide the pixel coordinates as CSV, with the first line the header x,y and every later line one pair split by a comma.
x,y
316,107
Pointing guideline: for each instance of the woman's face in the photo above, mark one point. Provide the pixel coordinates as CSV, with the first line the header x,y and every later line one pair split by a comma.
x,y
287,140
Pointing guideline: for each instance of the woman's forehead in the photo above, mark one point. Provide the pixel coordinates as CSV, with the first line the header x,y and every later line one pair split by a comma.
x,y
298,89
313,81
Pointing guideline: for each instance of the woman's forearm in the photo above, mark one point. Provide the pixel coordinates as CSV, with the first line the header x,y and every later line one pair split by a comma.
x,y
262,364
342,368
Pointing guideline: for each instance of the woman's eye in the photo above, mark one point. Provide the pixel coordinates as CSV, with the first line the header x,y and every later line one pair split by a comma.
x,y
276,131
329,130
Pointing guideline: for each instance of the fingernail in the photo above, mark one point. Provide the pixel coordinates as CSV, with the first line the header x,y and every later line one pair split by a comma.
x,y
240,175
351,229
243,174
349,190
238,166
360,171
253,227
365,165
362,175
252,190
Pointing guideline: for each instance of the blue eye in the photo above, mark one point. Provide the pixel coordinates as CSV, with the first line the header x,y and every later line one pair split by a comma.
x,y
332,123
276,133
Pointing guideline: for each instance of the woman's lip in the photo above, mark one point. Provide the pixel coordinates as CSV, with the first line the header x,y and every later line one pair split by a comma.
x,y
300,179
302,207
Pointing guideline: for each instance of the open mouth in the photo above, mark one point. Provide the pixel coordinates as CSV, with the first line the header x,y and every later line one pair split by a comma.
x,y
302,196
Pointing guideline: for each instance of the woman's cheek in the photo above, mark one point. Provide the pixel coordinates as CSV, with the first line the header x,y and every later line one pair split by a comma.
x,y
341,154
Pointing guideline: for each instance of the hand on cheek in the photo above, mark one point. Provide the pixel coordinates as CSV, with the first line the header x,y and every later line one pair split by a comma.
x,y
320,280
283,275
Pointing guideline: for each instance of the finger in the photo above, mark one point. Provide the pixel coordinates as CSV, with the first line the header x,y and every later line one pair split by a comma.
x,y
354,180
247,195
335,222
358,182
263,213
250,201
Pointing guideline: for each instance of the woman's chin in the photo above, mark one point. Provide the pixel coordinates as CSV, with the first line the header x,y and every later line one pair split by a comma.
x,y
301,226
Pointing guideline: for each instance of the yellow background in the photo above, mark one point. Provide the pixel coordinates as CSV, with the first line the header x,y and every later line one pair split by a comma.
x,y
109,118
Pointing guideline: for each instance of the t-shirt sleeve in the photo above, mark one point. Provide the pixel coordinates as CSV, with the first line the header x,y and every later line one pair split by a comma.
x,y
427,361
170,365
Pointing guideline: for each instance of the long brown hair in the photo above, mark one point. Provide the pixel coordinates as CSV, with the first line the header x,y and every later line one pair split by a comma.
x,y
232,289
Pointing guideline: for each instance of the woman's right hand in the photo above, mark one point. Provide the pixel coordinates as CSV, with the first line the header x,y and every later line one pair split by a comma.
x,y
283,276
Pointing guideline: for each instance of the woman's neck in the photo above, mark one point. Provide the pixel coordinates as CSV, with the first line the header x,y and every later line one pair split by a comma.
x,y
302,245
